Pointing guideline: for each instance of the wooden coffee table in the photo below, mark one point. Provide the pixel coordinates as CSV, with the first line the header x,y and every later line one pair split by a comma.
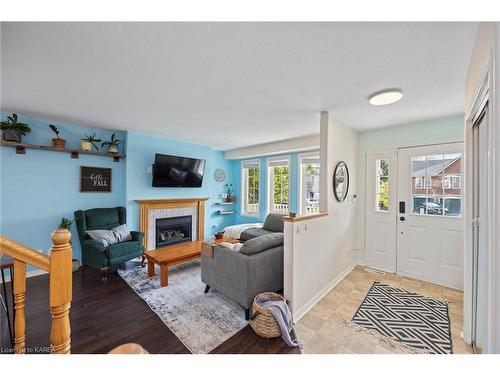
x,y
176,254
171,255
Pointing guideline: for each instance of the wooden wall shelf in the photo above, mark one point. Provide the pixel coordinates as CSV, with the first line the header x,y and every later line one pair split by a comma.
x,y
229,212
21,149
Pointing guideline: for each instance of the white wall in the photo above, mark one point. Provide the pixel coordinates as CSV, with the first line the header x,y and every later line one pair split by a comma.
x,y
496,258
286,146
320,252
485,58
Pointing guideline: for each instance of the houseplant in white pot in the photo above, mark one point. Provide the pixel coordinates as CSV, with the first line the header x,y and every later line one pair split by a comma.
x,y
88,142
13,130
112,144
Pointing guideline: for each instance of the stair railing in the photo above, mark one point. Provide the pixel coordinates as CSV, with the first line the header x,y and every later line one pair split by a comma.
x,y
59,266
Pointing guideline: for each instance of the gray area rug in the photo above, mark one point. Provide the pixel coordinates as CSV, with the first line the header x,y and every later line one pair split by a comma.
x,y
201,321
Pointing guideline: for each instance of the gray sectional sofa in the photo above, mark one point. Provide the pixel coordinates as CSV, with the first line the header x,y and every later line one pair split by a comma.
x,y
272,224
242,274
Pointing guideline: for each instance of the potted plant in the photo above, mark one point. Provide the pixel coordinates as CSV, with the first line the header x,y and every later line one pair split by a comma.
x,y
229,192
57,142
112,144
66,224
88,142
12,130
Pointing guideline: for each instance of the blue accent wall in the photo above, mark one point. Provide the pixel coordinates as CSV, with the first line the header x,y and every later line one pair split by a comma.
x,y
141,150
39,188
263,183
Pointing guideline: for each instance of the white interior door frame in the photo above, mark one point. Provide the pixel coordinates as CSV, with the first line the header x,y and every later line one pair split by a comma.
x,y
483,99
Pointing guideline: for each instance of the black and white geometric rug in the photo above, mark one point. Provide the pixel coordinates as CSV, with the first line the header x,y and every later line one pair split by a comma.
x,y
416,321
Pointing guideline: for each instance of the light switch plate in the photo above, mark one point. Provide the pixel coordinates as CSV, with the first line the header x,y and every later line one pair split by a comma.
x,y
149,169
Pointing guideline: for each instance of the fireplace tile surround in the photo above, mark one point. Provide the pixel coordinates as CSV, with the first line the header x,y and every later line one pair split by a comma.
x,y
153,209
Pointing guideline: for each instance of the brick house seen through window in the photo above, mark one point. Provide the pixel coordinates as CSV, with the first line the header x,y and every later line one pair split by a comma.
x,y
436,184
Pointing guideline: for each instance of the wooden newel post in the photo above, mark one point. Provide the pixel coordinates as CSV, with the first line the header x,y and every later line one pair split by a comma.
x,y
19,286
60,291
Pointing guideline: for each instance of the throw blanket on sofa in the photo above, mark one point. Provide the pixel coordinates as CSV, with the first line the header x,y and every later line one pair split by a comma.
x,y
234,231
283,317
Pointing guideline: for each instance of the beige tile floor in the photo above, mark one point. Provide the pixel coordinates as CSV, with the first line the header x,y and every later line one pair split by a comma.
x,y
323,329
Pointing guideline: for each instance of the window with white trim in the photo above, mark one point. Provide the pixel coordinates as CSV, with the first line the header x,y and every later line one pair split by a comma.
x,y
278,176
309,183
250,176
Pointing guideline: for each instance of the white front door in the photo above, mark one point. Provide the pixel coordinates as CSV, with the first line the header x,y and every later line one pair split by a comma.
x,y
430,227
381,204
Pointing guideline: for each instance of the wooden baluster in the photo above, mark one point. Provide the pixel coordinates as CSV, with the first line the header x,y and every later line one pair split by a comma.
x,y
19,304
60,291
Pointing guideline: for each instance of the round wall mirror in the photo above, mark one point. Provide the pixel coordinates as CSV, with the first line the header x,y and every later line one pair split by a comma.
x,y
341,181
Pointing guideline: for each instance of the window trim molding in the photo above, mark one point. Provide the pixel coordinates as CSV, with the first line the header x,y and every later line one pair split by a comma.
x,y
245,164
300,157
269,160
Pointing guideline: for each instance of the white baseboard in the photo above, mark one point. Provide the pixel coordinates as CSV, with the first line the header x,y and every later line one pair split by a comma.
x,y
323,292
28,274
431,280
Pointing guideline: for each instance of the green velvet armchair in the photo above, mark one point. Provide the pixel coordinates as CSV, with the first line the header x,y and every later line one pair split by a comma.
x,y
94,253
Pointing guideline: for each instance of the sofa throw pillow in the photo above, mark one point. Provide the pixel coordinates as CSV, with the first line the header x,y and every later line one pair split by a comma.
x,y
121,233
110,237
105,236
274,223
262,243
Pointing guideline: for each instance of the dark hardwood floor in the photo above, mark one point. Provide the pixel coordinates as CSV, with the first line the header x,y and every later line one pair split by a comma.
x,y
105,315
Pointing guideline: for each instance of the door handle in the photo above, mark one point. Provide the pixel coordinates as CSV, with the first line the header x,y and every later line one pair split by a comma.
x,y
402,218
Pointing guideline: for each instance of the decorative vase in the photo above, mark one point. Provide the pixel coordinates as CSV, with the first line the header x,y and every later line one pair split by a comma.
x,y
58,143
113,149
230,198
86,146
12,135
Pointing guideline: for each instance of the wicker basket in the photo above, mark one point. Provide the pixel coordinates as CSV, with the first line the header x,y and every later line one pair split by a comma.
x,y
263,322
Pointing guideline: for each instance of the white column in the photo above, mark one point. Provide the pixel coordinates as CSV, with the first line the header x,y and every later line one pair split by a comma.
x,y
324,182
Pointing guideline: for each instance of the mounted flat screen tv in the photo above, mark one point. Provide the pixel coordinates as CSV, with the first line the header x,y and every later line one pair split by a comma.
x,y
176,171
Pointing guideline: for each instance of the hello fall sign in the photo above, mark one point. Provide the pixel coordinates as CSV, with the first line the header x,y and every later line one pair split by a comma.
x,y
94,179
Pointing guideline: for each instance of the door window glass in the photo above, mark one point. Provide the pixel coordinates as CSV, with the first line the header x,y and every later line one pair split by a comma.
x,y
382,185
436,185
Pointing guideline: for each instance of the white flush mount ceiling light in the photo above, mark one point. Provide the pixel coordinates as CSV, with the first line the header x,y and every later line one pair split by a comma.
x,y
385,97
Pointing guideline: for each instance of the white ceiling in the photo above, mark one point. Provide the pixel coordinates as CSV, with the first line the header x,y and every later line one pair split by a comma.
x,y
231,85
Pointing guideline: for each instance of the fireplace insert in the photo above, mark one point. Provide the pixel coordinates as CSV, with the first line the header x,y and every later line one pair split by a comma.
x,y
171,230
